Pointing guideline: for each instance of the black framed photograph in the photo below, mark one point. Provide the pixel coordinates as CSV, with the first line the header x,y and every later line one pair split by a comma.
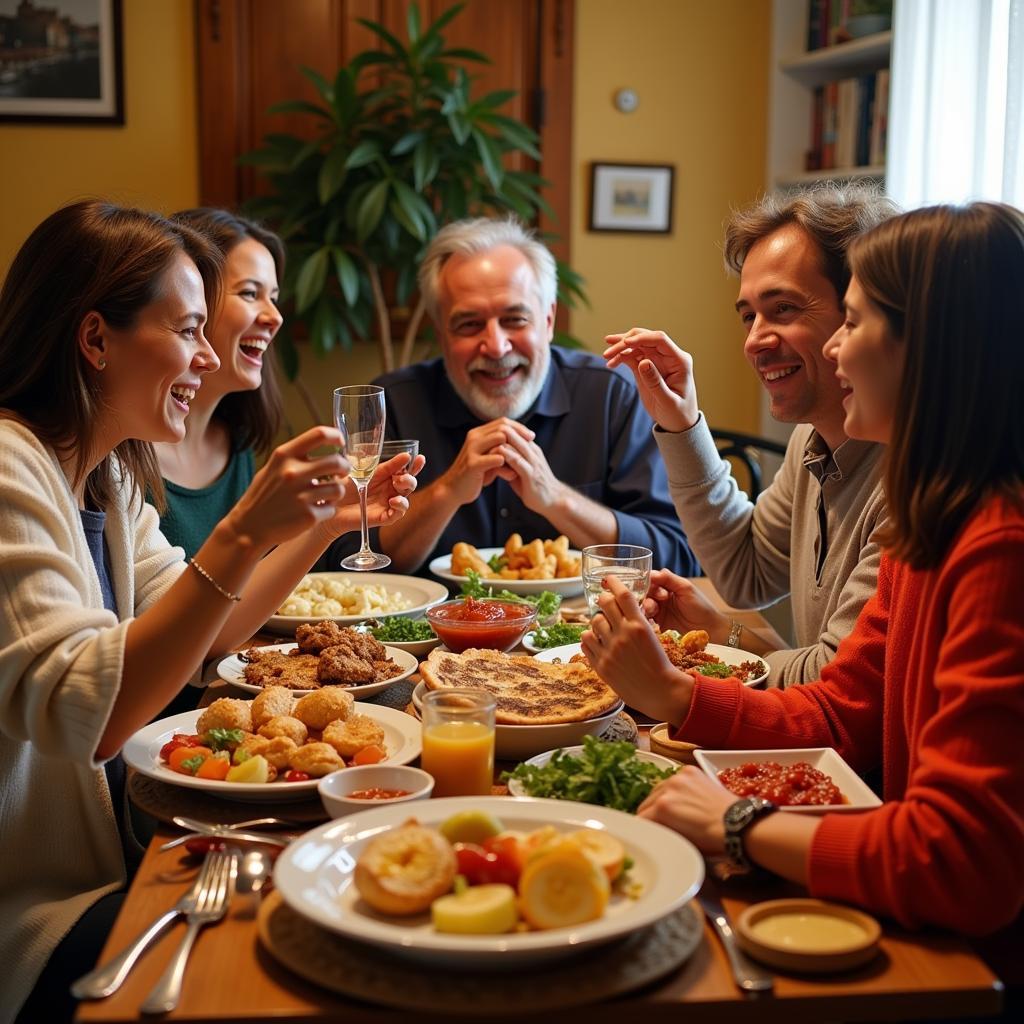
x,y
631,197
61,61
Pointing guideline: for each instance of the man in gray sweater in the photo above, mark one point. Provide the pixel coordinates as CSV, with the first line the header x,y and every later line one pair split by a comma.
x,y
809,534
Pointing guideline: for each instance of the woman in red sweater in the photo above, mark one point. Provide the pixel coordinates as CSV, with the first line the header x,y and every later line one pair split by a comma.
x,y
931,682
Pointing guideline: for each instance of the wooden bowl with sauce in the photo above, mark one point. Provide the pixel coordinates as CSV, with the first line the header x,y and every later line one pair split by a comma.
x,y
371,785
808,935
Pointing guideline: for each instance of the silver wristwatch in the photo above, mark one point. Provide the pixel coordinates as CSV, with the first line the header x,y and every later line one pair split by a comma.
x,y
735,629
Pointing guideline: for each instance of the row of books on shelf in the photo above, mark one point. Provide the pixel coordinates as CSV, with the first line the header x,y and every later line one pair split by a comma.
x,y
849,122
830,22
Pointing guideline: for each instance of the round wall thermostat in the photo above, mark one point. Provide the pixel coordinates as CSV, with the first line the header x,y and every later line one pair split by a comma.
x,y
626,101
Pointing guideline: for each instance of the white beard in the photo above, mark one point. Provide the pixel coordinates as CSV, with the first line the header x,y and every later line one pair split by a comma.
x,y
516,397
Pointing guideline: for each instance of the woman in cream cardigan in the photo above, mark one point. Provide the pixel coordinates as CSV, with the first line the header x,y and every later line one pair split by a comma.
x,y
101,621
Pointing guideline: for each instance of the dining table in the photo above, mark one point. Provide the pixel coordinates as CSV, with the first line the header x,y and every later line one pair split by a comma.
x,y
233,977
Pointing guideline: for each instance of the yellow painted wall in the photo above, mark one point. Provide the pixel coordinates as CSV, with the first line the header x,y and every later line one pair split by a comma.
x,y
150,161
700,70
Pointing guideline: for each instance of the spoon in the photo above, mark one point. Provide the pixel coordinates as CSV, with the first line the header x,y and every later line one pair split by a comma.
x,y
254,869
193,825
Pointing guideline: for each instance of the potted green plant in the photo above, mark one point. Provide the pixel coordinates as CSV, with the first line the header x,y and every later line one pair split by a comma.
x,y
400,146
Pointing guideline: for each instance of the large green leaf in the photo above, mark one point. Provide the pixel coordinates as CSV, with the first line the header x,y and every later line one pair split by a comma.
x,y
425,165
412,22
348,275
346,100
332,173
461,53
497,98
305,153
434,29
323,329
490,156
384,34
413,225
366,152
310,282
298,107
406,142
320,83
371,210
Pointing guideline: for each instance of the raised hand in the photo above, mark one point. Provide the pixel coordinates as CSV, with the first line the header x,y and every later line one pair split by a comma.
x,y
663,372
480,458
673,602
387,496
294,491
623,649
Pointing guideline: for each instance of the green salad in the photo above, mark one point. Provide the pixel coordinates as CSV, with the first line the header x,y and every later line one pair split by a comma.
x,y
609,774
558,635
547,602
396,629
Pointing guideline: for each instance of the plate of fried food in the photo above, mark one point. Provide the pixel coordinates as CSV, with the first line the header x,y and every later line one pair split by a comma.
x,y
275,747
588,875
324,655
539,706
517,567
690,652
350,597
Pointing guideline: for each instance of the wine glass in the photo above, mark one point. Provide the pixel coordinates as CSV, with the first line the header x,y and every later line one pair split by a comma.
x,y
359,415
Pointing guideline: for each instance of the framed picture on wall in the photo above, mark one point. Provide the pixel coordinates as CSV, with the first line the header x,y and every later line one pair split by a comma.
x,y
631,197
60,61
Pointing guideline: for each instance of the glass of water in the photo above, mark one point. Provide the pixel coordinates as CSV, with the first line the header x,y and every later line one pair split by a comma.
x,y
629,563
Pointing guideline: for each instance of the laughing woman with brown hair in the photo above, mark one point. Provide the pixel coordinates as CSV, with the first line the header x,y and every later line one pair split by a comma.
x,y
930,684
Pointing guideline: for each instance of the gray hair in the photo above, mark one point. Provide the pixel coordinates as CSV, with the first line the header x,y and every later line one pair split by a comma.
x,y
478,235
832,215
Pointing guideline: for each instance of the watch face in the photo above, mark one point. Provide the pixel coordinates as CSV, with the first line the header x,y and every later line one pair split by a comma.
x,y
739,813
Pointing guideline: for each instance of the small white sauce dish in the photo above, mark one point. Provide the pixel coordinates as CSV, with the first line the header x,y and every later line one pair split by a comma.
x,y
337,788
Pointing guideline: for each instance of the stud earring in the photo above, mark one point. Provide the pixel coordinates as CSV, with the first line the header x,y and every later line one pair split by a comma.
x,y
102,364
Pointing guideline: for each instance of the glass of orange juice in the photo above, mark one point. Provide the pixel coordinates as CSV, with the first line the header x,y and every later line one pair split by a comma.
x,y
458,741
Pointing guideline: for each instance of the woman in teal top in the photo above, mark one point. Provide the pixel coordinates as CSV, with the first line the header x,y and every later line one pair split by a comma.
x,y
237,412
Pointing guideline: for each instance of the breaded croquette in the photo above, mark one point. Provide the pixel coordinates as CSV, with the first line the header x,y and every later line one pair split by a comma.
x,y
348,737
226,713
279,752
318,709
285,725
274,700
316,760
313,637
342,666
273,668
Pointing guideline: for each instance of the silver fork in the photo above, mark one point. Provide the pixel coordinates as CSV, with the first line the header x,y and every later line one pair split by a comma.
x,y
216,883
106,979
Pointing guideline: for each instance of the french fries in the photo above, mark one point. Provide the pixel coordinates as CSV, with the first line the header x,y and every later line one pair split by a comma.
x,y
538,560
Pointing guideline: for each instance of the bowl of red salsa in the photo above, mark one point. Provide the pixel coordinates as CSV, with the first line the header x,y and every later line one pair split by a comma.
x,y
472,622
370,785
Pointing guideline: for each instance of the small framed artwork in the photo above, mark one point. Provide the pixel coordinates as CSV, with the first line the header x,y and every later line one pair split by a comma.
x,y
631,197
60,61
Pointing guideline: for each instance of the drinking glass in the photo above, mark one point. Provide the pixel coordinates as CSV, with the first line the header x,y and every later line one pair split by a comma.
x,y
359,415
405,447
629,563
458,741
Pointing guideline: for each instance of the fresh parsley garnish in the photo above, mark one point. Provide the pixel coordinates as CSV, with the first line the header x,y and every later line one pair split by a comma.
x,y
193,764
396,629
558,635
609,774
222,739
546,601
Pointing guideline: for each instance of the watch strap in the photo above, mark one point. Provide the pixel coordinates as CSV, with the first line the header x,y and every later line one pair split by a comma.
x,y
735,630
738,817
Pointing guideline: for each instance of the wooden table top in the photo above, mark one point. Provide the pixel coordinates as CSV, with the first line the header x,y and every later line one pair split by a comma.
x,y
230,977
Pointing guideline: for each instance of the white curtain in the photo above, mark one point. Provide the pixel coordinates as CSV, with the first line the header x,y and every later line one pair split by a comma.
x,y
956,114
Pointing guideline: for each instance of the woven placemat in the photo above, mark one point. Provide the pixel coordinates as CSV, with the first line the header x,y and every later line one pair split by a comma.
x,y
370,973
163,801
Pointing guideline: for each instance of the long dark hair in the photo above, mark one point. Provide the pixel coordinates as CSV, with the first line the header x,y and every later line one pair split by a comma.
x,y
253,418
88,256
949,280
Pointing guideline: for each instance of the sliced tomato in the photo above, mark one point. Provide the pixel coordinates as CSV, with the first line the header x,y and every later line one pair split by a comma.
x,y
293,775
370,755
482,865
178,740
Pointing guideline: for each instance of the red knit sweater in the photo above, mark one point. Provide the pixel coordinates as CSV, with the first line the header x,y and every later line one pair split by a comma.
x,y
931,683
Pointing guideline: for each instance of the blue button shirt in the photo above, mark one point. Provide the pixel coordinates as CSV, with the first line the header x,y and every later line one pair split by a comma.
x,y
594,432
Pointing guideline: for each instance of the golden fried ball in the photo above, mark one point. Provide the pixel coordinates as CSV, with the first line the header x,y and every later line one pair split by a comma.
x,y
279,751
354,733
316,760
284,725
274,700
226,713
318,709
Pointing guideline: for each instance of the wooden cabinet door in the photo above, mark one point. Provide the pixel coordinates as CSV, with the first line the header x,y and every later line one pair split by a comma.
x,y
250,53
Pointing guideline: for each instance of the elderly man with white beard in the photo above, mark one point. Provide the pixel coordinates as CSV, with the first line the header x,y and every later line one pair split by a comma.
x,y
519,436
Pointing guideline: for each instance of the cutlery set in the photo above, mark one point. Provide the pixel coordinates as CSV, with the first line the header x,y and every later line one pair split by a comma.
x,y
223,873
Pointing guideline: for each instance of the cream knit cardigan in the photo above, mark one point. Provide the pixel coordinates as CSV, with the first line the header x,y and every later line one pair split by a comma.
x,y
61,657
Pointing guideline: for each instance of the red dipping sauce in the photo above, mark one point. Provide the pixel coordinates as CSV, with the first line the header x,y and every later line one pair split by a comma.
x,y
784,784
497,625
376,793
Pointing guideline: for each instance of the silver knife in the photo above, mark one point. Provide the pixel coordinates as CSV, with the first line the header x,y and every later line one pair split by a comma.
x,y
749,976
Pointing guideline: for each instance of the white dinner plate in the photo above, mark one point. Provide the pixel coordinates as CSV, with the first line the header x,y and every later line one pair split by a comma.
x,y
859,795
730,655
515,742
422,594
315,877
516,787
232,670
568,585
142,752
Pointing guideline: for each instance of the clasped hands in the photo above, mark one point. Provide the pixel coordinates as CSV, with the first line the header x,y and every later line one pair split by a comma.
x,y
505,449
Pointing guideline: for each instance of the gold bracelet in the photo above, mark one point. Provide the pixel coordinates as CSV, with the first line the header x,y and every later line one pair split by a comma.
x,y
206,576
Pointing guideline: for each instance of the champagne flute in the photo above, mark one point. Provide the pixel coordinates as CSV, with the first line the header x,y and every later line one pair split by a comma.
x,y
359,415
